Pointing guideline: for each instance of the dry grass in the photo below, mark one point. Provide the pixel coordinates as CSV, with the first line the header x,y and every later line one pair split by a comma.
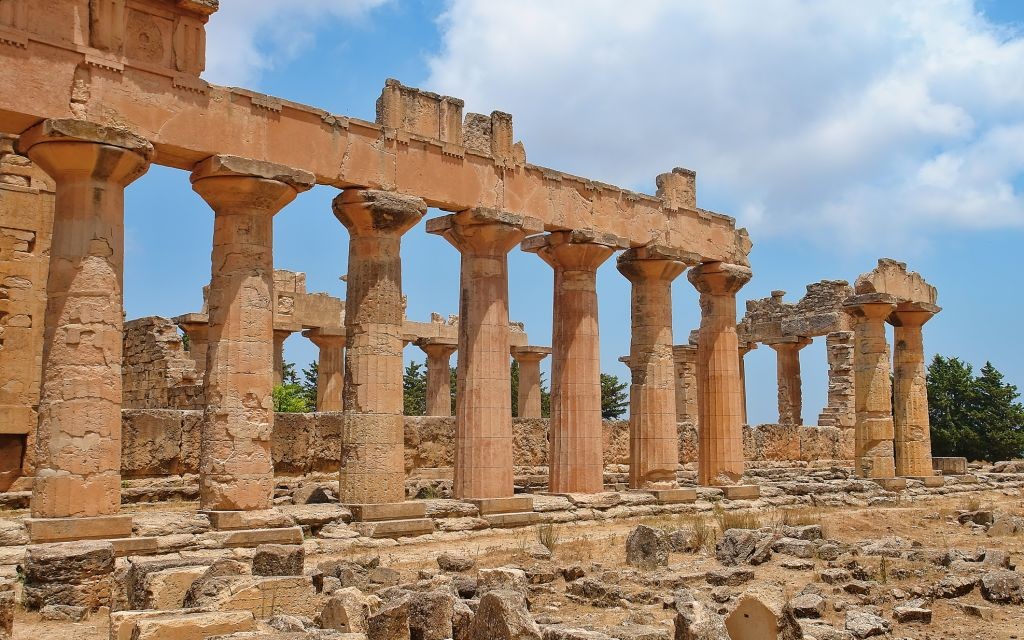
x,y
704,535
736,519
547,535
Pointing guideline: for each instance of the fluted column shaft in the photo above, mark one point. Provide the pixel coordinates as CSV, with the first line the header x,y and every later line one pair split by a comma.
x,y
280,335
720,396
912,431
78,440
873,448
236,471
373,455
528,400
685,358
790,386
330,369
653,437
483,413
439,378
745,348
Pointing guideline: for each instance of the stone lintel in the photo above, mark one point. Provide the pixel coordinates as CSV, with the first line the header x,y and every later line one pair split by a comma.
x,y
493,506
533,244
484,215
408,510
69,130
220,166
869,299
659,252
43,530
287,327
529,352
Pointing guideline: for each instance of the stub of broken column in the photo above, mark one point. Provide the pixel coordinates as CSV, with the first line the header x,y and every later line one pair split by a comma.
x,y
912,432
873,454
576,460
483,415
439,377
372,448
654,440
528,399
790,386
197,327
330,369
236,471
719,384
78,438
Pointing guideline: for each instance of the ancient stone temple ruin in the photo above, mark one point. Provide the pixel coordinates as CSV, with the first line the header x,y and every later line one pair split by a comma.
x,y
99,415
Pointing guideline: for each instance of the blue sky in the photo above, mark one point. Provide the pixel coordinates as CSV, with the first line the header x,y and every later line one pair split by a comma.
x,y
836,132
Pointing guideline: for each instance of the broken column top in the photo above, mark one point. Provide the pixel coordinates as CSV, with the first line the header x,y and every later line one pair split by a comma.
x,y
71,130
892,277
235,166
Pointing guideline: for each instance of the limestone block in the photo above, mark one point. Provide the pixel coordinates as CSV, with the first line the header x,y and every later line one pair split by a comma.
x,y
7,606
764,614
71,573
502,615
347,610
193,626
278,560
165,589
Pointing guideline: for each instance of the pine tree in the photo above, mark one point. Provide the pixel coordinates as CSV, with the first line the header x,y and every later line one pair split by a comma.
x,y
414,390
309,383
289,396
1000,415
614,398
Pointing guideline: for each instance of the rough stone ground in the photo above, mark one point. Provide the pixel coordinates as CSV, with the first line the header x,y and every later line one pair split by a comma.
x,y
916,535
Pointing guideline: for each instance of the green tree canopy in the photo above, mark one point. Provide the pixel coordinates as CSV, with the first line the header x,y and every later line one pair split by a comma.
x,y
309,382
614,397
414,390
977,417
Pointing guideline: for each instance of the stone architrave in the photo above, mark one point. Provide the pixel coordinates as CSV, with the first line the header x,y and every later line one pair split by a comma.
x,y
528,399
439,374
575,461
873,453
653,438
720,397
912,431
235,469
78,445
373,456
330,369
790,386
483,416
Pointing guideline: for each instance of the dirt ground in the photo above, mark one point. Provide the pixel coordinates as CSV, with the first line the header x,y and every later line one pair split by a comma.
x,y
599,548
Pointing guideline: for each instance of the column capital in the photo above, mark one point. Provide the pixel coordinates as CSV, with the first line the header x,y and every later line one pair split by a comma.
x,y
719,278
913,314
484,231
64,148
192,323
682,353
747,347
437,347
653,262
375,212
794,343
870,306
324,337
231,183
529,353
577,250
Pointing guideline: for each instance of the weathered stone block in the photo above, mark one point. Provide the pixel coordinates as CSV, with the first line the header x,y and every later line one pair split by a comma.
x,y
71,573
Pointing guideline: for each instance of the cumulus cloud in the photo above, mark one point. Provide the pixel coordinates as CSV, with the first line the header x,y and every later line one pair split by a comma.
x,y
248,37
875,121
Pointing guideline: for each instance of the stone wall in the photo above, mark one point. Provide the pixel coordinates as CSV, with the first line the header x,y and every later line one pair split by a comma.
x,y
158,373
158,442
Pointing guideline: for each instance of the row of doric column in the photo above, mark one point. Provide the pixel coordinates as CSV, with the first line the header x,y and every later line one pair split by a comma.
x,y
79,415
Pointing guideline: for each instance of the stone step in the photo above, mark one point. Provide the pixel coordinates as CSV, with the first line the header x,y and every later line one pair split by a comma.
x,y
509,520
124,547
256,537
407,510
395,528
491,506
741,492
929,481
43,530
674,496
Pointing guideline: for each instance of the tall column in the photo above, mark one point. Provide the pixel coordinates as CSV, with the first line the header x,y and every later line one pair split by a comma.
x,y
684,357
720,397
197,327
372,448
653,438
280,335
576,460
439,374
912,433
745,348
790,387
236,472
528,399
330,368
873,454
78,440
483,413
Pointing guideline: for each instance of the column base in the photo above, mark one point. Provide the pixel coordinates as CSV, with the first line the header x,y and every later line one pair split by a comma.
x,y
391,519
674,496
503,513
890,484
240,520
43,530
929,481
741,491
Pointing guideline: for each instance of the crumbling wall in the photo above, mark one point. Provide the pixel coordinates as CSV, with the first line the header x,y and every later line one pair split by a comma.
x,y
818,313
158,373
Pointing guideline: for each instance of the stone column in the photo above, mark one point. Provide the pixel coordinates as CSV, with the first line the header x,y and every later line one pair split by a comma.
x,y
575,461
720,397
912,433
653,437
372,448
439,374
330,368
684,357
197,327
280,335
528,400
745,348
790,387
236,472
483,414
873,454
840,411
78,438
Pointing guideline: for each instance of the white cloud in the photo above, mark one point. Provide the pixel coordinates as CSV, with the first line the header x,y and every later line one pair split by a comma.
x,y
247,37
873,121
